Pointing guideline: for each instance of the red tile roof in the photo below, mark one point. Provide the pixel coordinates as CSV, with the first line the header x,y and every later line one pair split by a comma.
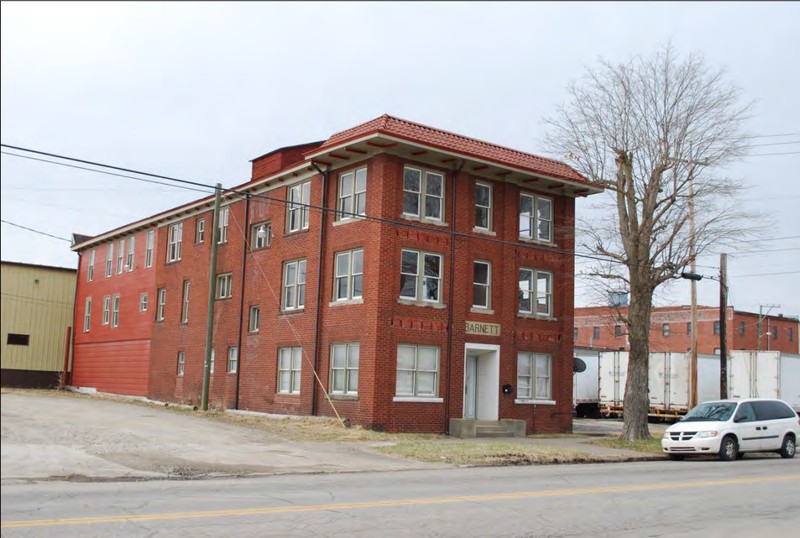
x,y
429,136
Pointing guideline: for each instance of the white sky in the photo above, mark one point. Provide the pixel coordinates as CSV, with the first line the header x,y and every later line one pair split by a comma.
x,y
196,90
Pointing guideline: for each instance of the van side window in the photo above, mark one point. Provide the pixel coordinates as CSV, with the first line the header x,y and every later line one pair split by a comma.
x,y
745,413
772,410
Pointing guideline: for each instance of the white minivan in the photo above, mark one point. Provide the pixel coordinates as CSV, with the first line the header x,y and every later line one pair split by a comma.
x,y
729,428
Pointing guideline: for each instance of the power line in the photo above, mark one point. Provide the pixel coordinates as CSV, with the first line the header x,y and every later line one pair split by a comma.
x,y
778,153
35,231
774,144
771,135
768,274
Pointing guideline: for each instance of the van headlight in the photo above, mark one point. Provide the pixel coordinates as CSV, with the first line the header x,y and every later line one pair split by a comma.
x,y
666,435
703,435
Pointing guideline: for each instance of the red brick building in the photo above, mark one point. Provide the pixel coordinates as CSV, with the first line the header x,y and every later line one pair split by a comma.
x,y
403,274
671,326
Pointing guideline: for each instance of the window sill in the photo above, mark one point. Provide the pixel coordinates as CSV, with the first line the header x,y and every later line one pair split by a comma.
x,y
540,317
344,397
288,393
484,231
295,232
417,399
345,302
349,220
479,310
535,402
412,302
424,220
537,242
293,311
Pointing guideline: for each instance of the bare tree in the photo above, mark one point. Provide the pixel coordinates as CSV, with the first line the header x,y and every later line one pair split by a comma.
x,y
653,131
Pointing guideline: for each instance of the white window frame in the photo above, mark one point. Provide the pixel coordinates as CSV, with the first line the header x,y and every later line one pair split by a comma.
x,y
349,277
529,222
90,269
481,207
534,293
181,363
87,315
352,198
161,303
665,329
420,278
115,310
110,259
148,253
222,225
422,195
297,210
120,256
185,305
486,285
416,372
257,242
294,290
344,372
200,231
174,242
233,359
143,302
290,366
255,318
211,362
106,309
528,385
224,289
129,259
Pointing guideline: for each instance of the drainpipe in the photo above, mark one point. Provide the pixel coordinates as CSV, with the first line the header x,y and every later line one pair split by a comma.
x,y
245,248
450,299
319,283
71,340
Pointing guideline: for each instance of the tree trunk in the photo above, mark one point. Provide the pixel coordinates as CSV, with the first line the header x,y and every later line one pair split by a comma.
x,y
637,397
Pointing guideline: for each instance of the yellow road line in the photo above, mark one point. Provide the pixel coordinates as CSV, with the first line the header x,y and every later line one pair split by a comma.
x,y
387,504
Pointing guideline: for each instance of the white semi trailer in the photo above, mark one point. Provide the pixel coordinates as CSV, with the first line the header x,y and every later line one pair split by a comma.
x,y
765,374
586,383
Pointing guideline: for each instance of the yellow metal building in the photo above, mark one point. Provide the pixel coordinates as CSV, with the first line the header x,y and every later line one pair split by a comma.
x,y
37,309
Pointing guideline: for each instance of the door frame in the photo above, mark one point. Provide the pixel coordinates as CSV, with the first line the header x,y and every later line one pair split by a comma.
x,y
487,380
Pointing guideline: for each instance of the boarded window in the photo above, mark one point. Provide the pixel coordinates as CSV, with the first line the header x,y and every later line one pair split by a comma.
x,y
18,339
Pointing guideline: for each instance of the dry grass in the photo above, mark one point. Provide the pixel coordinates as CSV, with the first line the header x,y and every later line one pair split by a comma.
x,y
456,452
652,445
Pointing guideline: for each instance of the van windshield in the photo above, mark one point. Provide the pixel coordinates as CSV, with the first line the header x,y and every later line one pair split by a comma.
x,y
710,411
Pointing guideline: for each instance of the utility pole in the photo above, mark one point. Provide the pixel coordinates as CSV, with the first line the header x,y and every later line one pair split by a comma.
x,y
761,318
723,326
212,274
692,254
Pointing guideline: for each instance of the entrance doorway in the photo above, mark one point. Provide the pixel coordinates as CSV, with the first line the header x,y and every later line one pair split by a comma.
x,y
481,381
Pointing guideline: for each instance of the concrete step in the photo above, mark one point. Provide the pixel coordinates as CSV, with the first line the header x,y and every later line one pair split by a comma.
x,y
491,429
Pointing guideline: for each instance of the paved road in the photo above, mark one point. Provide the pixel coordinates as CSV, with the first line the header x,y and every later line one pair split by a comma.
x,y
694,499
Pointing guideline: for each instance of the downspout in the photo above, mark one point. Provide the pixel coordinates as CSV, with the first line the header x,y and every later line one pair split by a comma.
x,y
319,283
450,299
245,248
71,342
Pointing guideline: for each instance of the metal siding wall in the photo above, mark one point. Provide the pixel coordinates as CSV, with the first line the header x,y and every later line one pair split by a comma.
x,y
42,310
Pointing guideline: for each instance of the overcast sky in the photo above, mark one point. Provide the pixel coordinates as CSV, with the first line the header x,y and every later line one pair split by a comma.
x,y
196,90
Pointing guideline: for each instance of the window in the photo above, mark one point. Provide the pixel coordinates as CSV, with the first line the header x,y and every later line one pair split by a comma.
x,y
181,362
294,285
143,302
225,286
233,359
741,328
483,206
344,369
575,333
299,197
617,330
414,264
289,361
222,230
129,260
352,194
716,327
120,255
200,231
148,254
211,362
90,271
174,242
417,371
596,332
162,301
255,315
18,339
423,193
535,218
775,333
481,284
185,307
106,309
115,311
538,284
260,235
348,277
87,315
689,328
533,376
110,259
790,336
665,329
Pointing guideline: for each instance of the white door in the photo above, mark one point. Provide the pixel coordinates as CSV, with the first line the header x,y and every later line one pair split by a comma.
x,y
470,386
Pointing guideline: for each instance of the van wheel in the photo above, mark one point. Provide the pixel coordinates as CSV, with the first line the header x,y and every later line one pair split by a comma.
x,y
729,449
675,457
788,447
